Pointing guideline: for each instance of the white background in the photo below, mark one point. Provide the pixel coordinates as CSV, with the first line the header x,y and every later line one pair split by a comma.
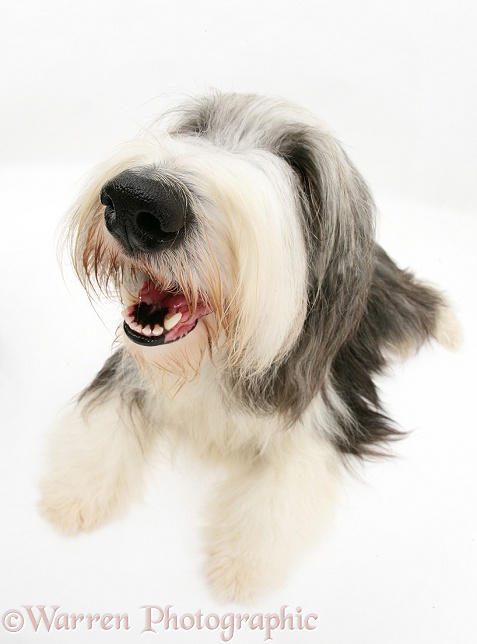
x,y
397,83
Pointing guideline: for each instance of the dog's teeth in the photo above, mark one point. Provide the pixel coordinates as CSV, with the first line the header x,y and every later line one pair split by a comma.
x,y
136,327
157,330
171,319
146,331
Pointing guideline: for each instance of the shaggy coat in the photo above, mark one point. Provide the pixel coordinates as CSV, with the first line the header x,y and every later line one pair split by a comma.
x,y
258,309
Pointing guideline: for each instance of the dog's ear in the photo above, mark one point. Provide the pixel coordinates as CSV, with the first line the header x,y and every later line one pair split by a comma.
x,y
338,222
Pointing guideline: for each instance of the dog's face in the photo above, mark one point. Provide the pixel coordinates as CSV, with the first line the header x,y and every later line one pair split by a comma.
x,y
239,226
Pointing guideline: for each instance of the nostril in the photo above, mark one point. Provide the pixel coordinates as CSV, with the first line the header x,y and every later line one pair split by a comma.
x,y
105,200
150,224
109,211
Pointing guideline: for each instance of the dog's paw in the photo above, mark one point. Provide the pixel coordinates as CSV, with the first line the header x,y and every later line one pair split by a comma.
x,y
233,579
242,568
68,514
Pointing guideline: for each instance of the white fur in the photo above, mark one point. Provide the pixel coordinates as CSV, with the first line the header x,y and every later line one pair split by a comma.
x,y
244,220
269,249
448,331
96,463
274,503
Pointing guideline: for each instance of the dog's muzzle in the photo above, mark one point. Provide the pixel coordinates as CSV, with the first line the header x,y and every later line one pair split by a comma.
x,y
149,214
143,213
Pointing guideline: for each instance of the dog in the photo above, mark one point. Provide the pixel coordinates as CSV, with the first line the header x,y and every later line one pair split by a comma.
x,y
258,309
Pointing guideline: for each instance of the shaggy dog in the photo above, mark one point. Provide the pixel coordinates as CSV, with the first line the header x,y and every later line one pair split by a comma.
x,y
258,308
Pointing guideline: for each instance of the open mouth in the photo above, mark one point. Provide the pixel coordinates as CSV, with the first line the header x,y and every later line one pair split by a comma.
x,y
160,317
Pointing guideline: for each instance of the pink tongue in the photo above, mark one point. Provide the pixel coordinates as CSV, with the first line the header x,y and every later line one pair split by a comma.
x,y
149,294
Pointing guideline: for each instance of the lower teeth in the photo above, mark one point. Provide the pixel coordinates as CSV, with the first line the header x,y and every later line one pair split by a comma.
x,y
170,321
156,330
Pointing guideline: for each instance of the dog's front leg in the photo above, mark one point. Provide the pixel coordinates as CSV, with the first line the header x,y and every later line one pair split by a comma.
x,y
96,454
268,513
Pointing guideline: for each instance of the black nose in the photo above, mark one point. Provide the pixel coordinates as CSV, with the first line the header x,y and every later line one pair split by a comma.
x,y
143,213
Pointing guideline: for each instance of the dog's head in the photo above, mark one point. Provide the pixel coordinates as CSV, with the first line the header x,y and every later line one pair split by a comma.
x,y
238,223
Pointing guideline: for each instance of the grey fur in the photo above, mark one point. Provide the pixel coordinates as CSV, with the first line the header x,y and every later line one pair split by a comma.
x,y
360,305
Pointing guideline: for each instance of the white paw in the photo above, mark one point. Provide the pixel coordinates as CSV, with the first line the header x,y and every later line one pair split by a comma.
x,y
94,468
244,563
69,514
236,579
